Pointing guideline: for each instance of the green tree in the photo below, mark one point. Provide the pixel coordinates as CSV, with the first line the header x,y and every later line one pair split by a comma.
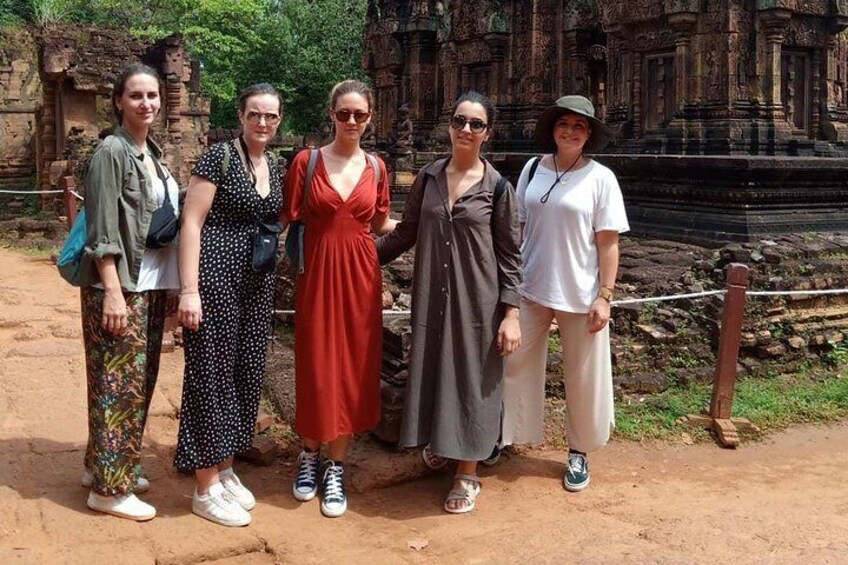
x,y
302,47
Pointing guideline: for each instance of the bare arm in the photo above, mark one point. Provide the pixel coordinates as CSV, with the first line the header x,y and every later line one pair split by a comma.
x,y
114,317
198,202
382,224
403,238
607,243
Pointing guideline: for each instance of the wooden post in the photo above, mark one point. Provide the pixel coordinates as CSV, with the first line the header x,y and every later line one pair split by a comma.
x,y
68,185
719,417
728,347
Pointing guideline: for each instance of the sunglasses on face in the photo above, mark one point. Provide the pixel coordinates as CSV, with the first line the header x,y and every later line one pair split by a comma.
x,y
359,116
476,125
270,118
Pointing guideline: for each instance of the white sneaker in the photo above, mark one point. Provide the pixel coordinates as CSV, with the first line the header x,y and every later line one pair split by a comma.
x,y
121,505
234,486
219,506
142,486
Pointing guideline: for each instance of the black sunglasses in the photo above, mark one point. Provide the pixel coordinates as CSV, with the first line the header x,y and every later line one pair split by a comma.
x,y
476,125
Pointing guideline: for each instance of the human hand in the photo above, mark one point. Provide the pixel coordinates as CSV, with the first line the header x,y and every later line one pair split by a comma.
x,y
114,318
599,315
190,311
509,332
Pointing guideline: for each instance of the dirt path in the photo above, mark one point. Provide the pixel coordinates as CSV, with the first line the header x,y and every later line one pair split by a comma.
x,y
779,501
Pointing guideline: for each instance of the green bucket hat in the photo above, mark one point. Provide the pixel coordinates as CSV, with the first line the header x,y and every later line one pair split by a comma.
x,y
579,105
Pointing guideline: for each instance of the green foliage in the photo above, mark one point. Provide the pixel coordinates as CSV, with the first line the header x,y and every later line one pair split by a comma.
x,y
302,47
13,13
837,356
46,12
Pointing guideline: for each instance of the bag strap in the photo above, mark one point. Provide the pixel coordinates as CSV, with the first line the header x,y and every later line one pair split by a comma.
x,y
307,180
500,188
533,167
160,172
225,162
375,165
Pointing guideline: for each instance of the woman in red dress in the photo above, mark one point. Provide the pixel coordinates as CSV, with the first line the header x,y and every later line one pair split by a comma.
x,y
338,320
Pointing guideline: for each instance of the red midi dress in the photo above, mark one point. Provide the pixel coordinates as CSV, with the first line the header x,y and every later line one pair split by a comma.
x,y
338,318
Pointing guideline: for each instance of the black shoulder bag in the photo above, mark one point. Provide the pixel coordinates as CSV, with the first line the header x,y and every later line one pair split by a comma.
x,y
266,235
163,225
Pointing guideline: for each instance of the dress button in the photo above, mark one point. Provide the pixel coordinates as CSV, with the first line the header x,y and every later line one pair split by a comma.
x,y
445,265
447,243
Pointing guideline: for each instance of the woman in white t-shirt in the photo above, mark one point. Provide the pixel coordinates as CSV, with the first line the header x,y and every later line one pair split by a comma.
x,y
571,212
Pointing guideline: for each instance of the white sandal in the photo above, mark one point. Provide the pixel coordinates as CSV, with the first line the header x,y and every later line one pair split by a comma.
x,y
431,460
468,492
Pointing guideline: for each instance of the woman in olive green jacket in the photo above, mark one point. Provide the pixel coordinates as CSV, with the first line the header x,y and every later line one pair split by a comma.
x,y
124,281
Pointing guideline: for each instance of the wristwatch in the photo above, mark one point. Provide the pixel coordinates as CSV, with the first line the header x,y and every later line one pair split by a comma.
x,y
605,293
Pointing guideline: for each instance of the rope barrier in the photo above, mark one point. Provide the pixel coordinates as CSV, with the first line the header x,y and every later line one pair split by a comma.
x,y
31,191
385,312
664,298
79,196
796,292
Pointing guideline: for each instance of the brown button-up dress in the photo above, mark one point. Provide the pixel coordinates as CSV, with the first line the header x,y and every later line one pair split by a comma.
x,y
467,266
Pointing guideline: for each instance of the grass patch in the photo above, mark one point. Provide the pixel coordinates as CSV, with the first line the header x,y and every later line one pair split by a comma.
x,y
771,404
30,250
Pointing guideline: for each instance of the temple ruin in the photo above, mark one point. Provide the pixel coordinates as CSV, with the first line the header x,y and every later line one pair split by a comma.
x,y
55,87
719,92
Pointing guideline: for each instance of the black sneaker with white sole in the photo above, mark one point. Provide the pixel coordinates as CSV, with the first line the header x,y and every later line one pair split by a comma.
x,y
305,485
334,503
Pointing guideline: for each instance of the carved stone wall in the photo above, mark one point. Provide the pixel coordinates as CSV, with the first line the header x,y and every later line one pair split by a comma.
x,y
20,97
766,77
55,88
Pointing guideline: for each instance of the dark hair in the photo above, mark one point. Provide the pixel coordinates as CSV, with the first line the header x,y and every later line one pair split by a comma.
x,y
121,83
258,89
477,98
351,86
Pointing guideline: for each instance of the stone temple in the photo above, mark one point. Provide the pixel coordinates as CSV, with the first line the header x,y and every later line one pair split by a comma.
x,y
731,116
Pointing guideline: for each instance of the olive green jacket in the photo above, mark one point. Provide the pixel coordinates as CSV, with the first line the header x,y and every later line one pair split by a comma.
x,y
119,203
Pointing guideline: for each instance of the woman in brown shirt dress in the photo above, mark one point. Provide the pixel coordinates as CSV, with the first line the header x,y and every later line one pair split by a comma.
x,y
463,220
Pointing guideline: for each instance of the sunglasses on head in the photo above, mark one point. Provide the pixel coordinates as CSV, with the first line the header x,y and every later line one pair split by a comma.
x,y
476,125
359,116
254,118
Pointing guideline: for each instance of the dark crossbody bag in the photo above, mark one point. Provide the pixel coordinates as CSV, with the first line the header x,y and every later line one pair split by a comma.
x,y
164,224
266,234
266,238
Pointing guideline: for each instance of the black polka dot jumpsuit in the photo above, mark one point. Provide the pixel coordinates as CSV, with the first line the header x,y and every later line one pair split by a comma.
x,y
225,358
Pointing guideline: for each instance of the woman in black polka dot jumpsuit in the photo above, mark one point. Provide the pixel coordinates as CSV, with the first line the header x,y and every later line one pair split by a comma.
x,y
225,306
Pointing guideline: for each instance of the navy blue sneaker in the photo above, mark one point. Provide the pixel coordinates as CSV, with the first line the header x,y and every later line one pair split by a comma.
x,y
577,475
334,503
305,486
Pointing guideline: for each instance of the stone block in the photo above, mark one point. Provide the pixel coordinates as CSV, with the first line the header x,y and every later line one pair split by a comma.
x,y
771,350
796,342
263,451
263,422
388,429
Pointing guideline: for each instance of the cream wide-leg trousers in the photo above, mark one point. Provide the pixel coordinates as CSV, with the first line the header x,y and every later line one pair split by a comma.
x,y
587,371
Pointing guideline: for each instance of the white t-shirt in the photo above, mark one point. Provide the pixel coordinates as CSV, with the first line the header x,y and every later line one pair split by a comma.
x,y
558,251
160,268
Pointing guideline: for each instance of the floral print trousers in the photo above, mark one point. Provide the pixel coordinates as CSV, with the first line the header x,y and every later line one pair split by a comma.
x,y
121,373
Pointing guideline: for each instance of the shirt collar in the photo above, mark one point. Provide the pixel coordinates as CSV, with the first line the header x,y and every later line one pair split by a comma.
x,y
131,147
